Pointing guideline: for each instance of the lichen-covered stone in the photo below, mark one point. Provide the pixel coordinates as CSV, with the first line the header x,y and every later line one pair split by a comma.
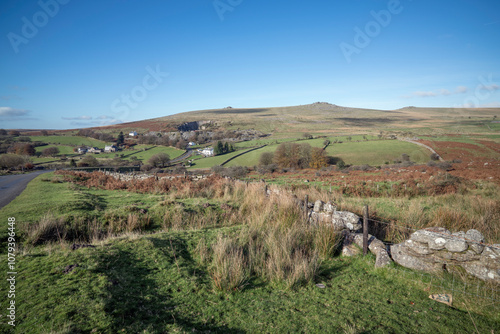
x,y
318,206
402,255
329,207
475,240
429,234
437,244
456,245
418,247
345,219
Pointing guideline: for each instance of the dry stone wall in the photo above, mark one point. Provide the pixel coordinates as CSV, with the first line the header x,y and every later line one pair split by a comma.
x,y
431,249
437,249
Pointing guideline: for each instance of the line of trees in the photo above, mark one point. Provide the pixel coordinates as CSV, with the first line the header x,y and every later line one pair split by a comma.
x,y
293,155
223,148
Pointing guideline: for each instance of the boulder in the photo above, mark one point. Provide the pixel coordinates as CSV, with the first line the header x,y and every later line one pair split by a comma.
x,y
330,207
344,219
437,244
429,234
318,206
375,246
418,247
475,239
349,247
456,245
404,256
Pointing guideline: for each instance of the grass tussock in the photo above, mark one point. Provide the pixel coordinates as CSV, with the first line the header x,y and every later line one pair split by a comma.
x,y
275,244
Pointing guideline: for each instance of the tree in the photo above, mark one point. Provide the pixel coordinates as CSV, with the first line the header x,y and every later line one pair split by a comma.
x,y
121,139
292,155
3,132
266,158
159,160
349,138
219,148
50,152
307,135
22,149
72,163
44,133
318,158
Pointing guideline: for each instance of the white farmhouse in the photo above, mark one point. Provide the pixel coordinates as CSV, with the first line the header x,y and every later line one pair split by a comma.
x,y
110,148
208,151
132,134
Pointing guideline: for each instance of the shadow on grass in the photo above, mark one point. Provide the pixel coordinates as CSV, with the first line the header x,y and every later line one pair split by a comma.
x,y
136,302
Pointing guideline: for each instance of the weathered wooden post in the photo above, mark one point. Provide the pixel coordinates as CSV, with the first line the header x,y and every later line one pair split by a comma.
x,y
365,230
306,207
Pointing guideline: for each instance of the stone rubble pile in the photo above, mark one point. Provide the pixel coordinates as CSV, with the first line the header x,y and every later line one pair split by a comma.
x,y
437,249
431,249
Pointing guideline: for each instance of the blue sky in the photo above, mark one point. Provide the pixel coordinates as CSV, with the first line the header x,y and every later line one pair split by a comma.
x,y
74,63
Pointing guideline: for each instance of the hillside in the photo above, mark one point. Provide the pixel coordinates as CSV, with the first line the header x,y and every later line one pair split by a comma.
x,y
325,118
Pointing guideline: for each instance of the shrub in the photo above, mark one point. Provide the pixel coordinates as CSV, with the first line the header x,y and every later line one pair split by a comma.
x,y
271,168
159,160
11,161
146,168
50,152
266,159
434,157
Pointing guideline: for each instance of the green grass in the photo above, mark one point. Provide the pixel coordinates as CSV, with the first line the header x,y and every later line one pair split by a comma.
x,y
63,149
356,153
213,161
151,150
156,284
377,152
69,140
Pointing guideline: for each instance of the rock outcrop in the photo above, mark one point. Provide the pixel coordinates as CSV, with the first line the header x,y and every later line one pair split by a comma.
x,y
437,249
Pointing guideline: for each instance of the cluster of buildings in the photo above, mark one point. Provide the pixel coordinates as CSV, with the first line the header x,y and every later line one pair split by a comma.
x,y
96,150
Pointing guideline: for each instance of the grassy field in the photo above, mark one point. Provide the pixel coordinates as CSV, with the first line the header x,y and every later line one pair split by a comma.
x,y
63,149
149,151
70,140
375,152
156,284
213,161
162,281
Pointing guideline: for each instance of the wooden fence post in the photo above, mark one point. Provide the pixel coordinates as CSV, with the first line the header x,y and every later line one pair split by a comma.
x,y
365,230
306,207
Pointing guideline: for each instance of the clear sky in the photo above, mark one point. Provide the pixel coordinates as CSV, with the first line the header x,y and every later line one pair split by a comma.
x,y
80,63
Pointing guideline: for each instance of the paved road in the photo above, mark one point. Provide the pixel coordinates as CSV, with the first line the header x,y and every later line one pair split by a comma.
x,y
183,156
12,186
